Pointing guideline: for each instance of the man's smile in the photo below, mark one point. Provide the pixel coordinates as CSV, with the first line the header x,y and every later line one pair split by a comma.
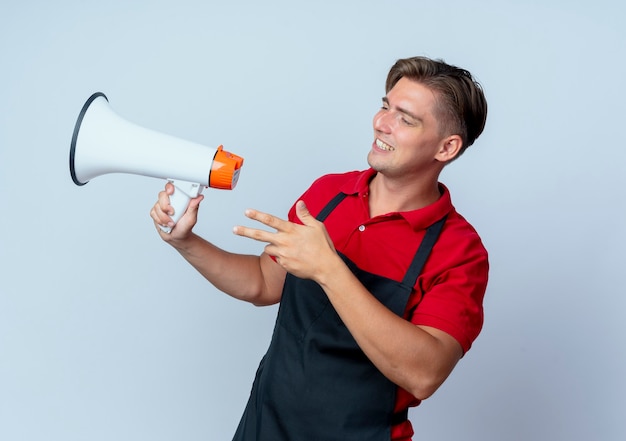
x,y
384,146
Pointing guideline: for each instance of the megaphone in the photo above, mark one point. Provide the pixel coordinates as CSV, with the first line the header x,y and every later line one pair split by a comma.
x,y
105,143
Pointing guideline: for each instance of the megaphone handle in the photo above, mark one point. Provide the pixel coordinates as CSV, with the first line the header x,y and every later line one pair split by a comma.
x,y
183,192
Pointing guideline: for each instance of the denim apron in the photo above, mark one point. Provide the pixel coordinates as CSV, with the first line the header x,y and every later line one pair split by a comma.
x,y
315,383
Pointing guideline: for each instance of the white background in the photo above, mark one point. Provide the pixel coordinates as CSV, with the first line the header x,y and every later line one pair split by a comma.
x,y
107,334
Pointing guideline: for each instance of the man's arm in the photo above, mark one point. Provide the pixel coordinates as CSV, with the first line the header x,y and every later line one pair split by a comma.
x,y
418,359
255,279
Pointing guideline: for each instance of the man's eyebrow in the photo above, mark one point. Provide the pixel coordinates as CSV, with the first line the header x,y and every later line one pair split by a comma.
x,y
402,110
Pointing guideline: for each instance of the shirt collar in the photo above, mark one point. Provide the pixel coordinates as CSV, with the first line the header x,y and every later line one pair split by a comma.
x,y
418,219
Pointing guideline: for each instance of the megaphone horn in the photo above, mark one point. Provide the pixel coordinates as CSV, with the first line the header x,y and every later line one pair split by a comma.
x,y
105,143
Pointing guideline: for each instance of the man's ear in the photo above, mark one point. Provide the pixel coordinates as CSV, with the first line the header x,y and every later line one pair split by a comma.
x,y
449,149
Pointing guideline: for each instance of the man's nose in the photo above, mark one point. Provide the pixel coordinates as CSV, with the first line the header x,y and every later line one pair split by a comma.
x,y
382,122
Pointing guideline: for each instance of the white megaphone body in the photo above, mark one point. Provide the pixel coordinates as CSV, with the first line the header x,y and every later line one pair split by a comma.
x,y
105,143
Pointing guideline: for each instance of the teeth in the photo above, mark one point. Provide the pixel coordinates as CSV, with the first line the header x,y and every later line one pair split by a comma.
x,y
381,145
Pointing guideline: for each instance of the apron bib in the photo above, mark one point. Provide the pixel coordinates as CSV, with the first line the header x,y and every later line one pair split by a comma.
x,y
314,382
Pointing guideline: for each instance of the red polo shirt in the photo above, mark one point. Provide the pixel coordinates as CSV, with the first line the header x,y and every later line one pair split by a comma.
x,y
449,292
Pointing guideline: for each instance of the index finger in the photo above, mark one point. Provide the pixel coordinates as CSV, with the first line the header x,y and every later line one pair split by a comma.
x,y
267,219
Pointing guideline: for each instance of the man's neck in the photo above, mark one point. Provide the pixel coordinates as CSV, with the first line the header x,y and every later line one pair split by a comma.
x,y
388,195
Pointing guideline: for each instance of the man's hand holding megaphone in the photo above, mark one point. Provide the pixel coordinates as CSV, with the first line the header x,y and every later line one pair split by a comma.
x,y
163,211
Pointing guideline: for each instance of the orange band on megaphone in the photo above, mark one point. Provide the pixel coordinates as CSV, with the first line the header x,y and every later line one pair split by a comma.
x,y
225,170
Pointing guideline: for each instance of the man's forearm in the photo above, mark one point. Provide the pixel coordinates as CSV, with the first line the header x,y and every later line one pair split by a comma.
x,y
415,358
238,275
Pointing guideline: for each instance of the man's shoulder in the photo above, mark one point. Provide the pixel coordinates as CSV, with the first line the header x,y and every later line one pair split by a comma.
x,y
338,178
460,234
348,182
324,188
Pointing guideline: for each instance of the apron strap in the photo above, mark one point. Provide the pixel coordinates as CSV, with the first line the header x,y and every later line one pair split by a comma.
x,y
330,207
431,236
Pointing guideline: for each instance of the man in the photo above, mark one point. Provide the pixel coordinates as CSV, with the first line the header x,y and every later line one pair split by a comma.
x,y
380,281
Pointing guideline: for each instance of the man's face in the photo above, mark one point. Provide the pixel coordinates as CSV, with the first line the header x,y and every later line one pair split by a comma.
x,y
406,133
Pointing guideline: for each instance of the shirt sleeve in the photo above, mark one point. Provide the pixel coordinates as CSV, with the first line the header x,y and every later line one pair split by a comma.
x,y
453,289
